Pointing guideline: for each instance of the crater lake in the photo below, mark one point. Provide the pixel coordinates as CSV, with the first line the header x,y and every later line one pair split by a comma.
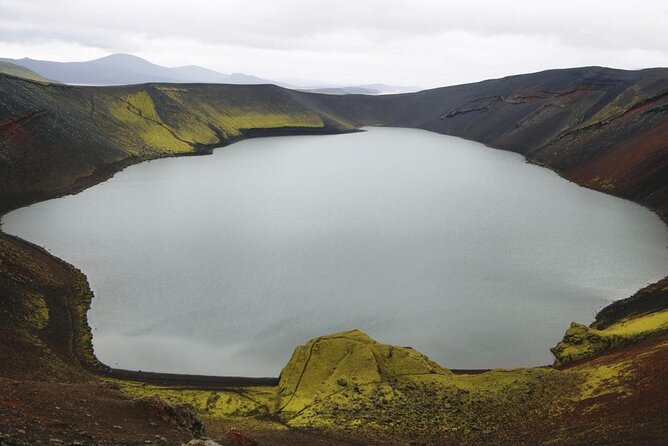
x,y
222,264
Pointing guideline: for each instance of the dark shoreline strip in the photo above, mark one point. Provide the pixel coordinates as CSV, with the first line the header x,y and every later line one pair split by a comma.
x,y
187,381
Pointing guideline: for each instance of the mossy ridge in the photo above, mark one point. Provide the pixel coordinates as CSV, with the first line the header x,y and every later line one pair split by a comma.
x,y
652,298
348,385
581,341
175,121
137,111
328,365
347,382
207,113
236,402
496,406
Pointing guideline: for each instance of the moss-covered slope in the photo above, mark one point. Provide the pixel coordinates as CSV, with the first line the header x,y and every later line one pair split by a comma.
x,y
348,387
57,139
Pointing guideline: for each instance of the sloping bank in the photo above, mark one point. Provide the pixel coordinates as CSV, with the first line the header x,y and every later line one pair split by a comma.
x,y
605,129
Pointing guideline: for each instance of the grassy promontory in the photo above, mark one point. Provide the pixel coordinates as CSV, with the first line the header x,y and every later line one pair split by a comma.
x,y
601,128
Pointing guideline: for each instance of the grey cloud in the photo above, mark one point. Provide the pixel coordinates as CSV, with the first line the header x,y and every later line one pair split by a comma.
x,y
305,33
297,24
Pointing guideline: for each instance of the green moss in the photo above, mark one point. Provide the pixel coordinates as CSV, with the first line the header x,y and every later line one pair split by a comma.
x,y
581,341
137,112
319,369
604,380
247,401
232,120
347,381
615,108
170,121
36,311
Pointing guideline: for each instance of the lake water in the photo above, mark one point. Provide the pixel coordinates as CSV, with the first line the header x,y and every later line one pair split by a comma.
x,y
222,264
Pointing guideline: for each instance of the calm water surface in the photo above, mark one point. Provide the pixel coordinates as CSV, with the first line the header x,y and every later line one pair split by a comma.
x,y
223,264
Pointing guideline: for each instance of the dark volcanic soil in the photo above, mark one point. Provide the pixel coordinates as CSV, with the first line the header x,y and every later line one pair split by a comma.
x,y
34,413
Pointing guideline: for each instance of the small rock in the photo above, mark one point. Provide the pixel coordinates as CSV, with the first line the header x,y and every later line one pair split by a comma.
x,y
342,382
202,442
238,437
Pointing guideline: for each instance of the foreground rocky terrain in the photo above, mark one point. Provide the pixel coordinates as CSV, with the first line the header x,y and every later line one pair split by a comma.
x,y
605,129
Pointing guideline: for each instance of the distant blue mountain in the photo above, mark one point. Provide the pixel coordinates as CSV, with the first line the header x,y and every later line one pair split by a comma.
x,y
123,69
119,69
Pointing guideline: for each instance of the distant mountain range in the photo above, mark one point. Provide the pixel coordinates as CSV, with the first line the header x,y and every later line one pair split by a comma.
x,y
121,69
124,69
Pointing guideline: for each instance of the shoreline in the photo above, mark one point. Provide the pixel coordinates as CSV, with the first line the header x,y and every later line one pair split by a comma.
x,y
212,382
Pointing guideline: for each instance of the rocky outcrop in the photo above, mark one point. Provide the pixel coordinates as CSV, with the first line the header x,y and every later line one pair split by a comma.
x,y
342,363
346,385
652,298
643,315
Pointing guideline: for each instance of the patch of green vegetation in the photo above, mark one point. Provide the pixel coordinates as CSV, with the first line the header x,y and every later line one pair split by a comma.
x,y
603,380
348,381
171,121
36,311
136,111
581,341
241,402
341,362
348,384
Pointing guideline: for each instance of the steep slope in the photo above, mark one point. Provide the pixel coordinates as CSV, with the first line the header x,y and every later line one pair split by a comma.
x,y
602,128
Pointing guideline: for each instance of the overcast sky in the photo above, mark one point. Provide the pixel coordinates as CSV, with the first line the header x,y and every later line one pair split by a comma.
x,y
404,42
